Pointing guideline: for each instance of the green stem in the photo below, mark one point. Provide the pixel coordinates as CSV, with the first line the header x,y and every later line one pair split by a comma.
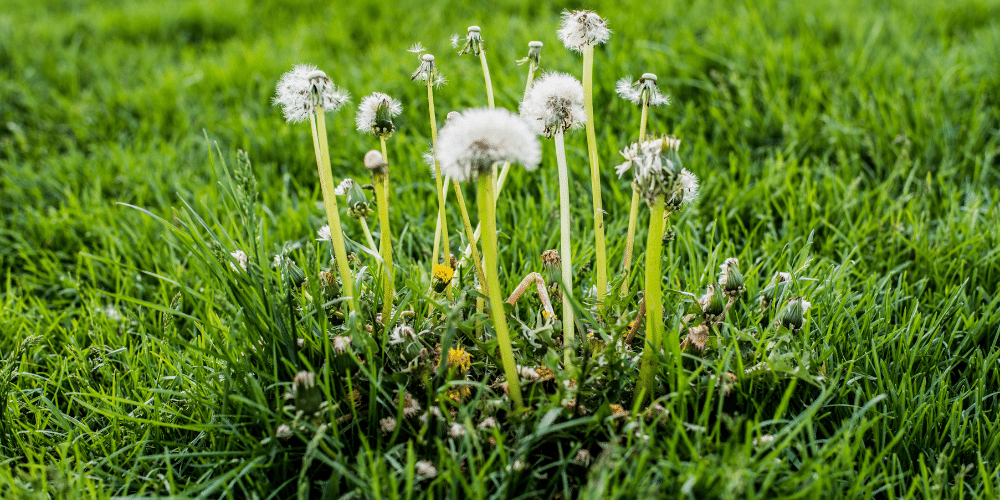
x,y
469,233
565,252
321,147
381,184
654,301
595,174
442,218
633,213
486,76
368,236
487,215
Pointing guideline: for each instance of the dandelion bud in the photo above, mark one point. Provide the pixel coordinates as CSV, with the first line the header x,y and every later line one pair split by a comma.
x,y
644,90
730,277
357,202
307,396
792,316
375,162
775,289
375,114
473,42
552,264
442,276
657,168
713,303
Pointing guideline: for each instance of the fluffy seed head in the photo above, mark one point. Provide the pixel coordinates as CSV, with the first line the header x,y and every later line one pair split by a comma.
x,y
583,28
304,88
470,143
554,103
686,191
375,114
388,424
643,89
375,162
456,430
241,259
401,334
426,468
656,166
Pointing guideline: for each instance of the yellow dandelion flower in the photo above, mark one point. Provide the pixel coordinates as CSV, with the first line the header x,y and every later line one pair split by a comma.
x,y
544,373
459,359
618,411
459,393
442,276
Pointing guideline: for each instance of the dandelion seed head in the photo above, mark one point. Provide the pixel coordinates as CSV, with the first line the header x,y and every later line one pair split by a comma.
x,y
324,234
645,86
469,144
583,28
426,468
554,103
283,432
343,187
388,424
656,167
302,89
456,430
402,333
375,114
341,343
375,162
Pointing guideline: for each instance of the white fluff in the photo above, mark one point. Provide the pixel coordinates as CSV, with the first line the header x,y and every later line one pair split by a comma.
x,y
583,28
293,93
554,101
472,142
633,92
368,108
689,185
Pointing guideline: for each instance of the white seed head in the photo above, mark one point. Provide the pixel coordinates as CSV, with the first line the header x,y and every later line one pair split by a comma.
x,y
401,334
583,28
283,432
426,468
656,166
375,162
645,87
488,423
456,430
341,343
554,102
375,114
388,424
324,234
472,142
686,191
302,89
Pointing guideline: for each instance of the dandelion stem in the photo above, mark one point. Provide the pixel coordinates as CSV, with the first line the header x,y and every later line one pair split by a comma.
x,y
565,252
469,233
487,215
368,236
486,76
442,219
381,184
318,123
595,174
633,213
653,298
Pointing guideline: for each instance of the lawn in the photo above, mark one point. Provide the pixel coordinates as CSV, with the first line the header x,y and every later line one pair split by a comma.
x,y
854,144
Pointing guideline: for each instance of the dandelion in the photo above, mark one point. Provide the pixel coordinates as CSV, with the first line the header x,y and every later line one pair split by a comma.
x,y
456,430
426,468
764,440
241,259
442,277
582,457
375,114
713,303
283,432
388,424
375,162
488,423
307,396
581,30
474,45
644,93
427,72
555,104
730,278
305,92
776,288
341,343
459,359
402,333
469,146
410,406
792,316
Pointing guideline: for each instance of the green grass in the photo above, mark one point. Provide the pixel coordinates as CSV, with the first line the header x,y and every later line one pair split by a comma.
x,y
852,142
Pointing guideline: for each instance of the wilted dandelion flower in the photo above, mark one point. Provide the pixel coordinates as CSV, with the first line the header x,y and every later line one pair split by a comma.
x,y
427,72
730,278
470,143
554,103
656,166
645,86
582,28
410,406
303,88
792,316
375,114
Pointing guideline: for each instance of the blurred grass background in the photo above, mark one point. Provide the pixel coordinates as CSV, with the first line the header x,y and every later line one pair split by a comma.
x,y
872,125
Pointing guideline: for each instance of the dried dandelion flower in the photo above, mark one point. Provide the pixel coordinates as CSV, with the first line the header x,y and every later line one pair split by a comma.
x,y
583,28
713,303
456,430
375,114
473,41
470,143
302,89
488,423
410,407
697,337
554,103
427,72
644,88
